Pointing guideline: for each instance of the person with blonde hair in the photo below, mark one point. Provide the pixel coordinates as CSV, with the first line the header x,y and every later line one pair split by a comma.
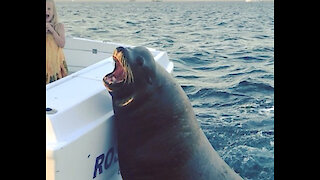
x,y
56,66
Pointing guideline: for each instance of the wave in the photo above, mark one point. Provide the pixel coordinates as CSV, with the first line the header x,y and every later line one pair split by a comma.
x,y
263,49
194,61
221,24
204,93
208,68
189,88
256,71
187,76
247,87
249,58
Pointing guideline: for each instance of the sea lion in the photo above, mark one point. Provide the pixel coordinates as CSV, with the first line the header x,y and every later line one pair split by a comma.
x,y
158,134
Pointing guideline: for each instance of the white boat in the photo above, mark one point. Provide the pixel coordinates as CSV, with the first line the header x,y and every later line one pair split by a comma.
x,y
80,135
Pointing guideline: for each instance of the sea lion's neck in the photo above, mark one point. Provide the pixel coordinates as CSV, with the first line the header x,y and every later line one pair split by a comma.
x,y
127,104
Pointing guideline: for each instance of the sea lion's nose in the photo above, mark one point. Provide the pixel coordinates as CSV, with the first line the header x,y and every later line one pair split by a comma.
x,y
119,49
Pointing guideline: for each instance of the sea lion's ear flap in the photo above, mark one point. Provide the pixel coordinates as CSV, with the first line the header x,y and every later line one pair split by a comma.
x,y
140,60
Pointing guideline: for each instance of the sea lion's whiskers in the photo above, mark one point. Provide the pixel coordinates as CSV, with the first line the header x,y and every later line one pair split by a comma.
x,y
129,76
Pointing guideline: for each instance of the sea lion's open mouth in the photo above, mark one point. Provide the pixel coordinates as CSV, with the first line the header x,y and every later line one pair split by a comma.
x,y
121,72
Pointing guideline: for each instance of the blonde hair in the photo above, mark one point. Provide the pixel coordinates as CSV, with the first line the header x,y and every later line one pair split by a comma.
x,y
54,20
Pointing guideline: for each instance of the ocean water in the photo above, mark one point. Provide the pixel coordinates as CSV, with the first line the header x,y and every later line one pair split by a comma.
x,y
223,54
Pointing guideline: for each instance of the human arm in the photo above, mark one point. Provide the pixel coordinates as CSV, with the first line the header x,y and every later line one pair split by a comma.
x,y
58,34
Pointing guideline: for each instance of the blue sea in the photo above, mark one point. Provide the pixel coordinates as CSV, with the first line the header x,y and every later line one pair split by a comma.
x,y
223,54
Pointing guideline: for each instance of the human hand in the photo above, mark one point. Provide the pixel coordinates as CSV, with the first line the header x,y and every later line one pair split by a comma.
x,y
49,28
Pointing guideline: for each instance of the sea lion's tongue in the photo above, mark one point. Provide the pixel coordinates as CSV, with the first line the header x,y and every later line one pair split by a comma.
x,y
119,71
118,75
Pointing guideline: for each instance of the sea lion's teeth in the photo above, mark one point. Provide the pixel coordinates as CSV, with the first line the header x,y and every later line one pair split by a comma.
x,y
113,79
108,80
